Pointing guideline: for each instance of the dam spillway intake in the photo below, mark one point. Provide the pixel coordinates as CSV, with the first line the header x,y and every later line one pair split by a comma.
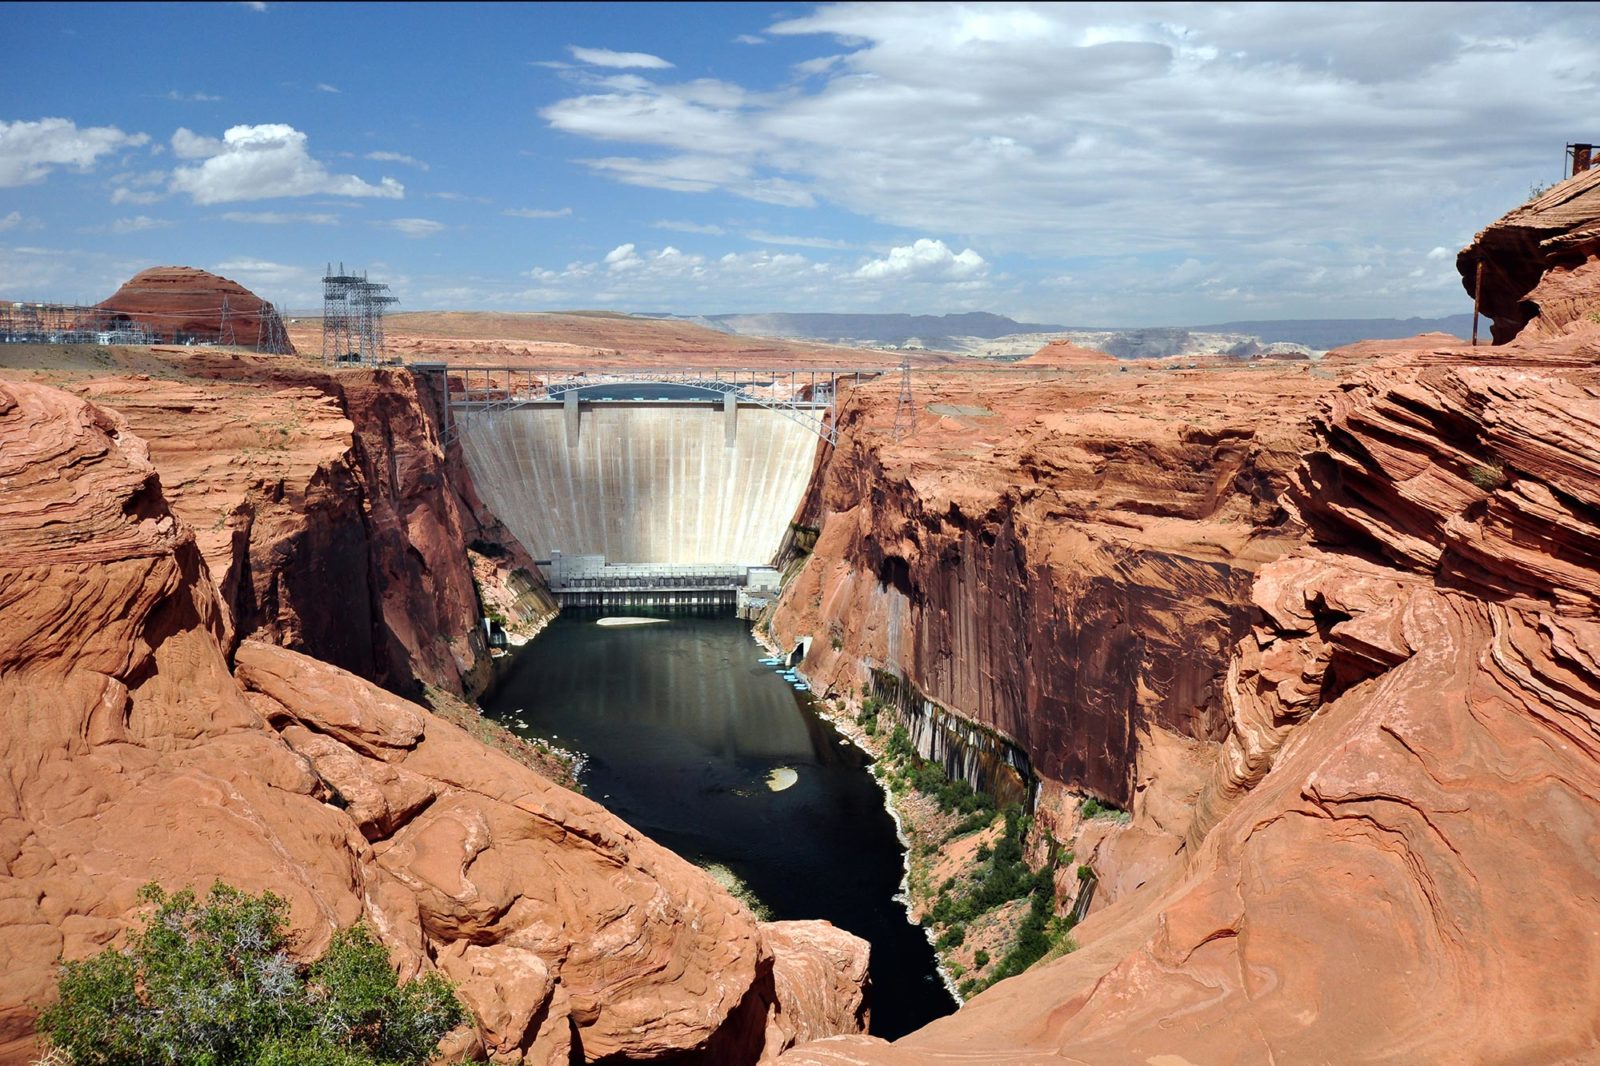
x,y
672,489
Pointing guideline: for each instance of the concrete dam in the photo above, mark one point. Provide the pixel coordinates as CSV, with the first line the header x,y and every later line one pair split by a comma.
x,y
644,491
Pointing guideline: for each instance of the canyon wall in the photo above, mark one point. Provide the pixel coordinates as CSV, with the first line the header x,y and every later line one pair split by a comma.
x,y
1389,856
132,752
1063,562
1391,860
321,507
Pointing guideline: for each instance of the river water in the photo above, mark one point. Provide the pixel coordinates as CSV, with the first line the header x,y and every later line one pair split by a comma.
x,y
683,729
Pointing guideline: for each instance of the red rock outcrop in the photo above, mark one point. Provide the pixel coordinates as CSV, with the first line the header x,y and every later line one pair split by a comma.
x,y
321,506
1063,562
1065,353
1392,859
1528,255
130,753
178,302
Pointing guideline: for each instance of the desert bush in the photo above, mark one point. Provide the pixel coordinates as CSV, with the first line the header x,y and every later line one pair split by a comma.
x,y
211,983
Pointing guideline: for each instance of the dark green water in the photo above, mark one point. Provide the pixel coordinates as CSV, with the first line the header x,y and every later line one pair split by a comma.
x,y
682,727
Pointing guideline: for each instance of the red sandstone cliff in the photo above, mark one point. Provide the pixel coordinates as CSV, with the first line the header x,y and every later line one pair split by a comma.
x,y
321,507
177,301
1539,261
1064,562
131,753
1388,857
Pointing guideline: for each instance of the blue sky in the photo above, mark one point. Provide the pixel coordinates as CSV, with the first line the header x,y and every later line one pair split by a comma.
x,y
1130,164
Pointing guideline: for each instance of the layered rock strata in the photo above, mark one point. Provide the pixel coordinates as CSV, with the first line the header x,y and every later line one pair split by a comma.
x,y
131,753
1388,861
1063,562
321,506
1522,267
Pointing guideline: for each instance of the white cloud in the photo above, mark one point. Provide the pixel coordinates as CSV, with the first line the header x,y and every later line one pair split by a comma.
x,y
282,218
605,57
261,162
31,150
537,212
1080,132
254,5
396,157
763,237
925,260
192,98
413,227
324,87
187,144
138,224
285,284
688,227
636,277
749,38
11,221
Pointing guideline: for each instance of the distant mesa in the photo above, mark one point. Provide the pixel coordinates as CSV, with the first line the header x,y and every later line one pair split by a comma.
x,y
1065,353
180,303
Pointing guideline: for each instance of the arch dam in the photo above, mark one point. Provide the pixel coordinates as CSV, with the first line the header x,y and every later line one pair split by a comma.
x,y
658,486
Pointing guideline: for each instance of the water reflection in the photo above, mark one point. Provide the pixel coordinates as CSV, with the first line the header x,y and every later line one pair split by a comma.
x,y
684,730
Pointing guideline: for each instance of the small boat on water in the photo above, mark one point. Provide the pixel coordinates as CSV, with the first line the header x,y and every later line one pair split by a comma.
x,y
772,660
801,686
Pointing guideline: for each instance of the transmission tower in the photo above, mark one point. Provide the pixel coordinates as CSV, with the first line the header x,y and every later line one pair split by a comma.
x,y
272,338
352,317
225,334
905,411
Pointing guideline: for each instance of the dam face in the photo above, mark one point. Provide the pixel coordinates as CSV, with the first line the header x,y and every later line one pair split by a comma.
x,y
679,484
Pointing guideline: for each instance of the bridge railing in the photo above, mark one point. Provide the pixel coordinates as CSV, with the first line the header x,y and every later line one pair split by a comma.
x,y
807,397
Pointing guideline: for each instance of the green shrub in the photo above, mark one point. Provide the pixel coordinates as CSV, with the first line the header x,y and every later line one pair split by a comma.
x,y
1487,476
953,937
980,959
212,984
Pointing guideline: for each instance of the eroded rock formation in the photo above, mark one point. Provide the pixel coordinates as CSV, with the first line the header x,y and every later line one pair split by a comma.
x,y
132,752
1538,261
1063,562
1388,857
320,504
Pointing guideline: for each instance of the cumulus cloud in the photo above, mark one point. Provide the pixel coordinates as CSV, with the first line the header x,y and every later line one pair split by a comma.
x,y
538,212
262,162
413,227
11,221
605,57
638,277
925,260
31,150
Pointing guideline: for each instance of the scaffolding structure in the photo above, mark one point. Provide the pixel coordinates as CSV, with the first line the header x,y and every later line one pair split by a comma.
x,y
352,317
